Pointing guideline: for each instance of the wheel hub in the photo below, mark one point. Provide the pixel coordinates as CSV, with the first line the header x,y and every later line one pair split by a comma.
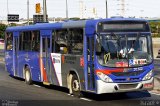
x,y
75,85
27,75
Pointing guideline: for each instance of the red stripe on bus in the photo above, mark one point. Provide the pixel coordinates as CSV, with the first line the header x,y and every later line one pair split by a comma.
x,y
43,70
107,71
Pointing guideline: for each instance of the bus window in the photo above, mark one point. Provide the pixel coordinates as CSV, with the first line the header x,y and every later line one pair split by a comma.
x,y
9,41
75,41
30,41
27,41
60,40
35,41
20,41
53,43
46,42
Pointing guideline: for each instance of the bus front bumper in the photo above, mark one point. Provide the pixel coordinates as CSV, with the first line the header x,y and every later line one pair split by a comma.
x,y
103,87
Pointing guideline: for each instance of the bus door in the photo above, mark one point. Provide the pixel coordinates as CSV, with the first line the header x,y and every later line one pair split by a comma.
x,y
90,63
45,51
15,52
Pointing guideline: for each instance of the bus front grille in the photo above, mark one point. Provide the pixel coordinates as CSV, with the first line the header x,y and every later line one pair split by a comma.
x,y
127,86
133,73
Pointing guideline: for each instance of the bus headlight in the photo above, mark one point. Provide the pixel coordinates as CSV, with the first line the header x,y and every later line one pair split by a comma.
x,y
148,76
104,77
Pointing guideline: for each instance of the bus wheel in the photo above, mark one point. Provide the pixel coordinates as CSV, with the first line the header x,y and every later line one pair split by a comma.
x,y
75,86
28,79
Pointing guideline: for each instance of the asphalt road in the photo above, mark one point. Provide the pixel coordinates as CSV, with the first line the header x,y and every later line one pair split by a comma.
x,y
14,92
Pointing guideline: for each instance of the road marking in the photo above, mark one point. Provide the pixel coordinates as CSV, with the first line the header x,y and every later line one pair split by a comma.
x,y
154,93
81,98
36,85
69,94
86,99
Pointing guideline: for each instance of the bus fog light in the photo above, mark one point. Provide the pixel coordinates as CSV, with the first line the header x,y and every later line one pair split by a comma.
x,y
148,76
104,77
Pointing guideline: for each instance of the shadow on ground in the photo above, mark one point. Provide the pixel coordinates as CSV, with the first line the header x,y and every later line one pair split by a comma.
x,y
117,96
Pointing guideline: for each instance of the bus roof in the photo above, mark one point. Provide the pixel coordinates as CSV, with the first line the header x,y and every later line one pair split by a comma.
x,y
91,24
34,27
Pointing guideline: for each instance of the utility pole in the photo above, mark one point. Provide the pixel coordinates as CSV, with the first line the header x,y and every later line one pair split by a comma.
x,y
81,9
7,8
28,12
106,9
123,7
44,11
7,11
67,9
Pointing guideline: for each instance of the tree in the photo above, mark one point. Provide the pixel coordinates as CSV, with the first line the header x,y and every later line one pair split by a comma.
x,y
2,30
155,28
12,24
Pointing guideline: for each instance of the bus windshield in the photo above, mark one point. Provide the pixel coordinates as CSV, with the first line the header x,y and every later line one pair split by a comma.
x,y
124,50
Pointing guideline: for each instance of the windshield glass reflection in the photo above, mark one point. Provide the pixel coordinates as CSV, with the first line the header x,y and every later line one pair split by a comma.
x,y
124,50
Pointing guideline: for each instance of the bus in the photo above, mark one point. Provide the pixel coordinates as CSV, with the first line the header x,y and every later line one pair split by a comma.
x,y
98,55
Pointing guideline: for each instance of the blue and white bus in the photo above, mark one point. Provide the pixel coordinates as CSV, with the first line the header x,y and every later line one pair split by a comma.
x,y
99,56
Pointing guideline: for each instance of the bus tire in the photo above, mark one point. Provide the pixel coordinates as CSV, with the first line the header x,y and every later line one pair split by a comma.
x,y
75,86
28,78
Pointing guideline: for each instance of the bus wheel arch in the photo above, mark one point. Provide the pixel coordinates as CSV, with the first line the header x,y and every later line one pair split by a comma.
x,y
73,82
27,74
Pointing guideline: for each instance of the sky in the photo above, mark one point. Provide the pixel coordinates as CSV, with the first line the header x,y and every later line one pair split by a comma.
x,y
57,8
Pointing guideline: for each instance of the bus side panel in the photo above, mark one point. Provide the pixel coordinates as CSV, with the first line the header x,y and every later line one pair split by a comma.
x,y
31,59
21,63
73,63
34,58
9,62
